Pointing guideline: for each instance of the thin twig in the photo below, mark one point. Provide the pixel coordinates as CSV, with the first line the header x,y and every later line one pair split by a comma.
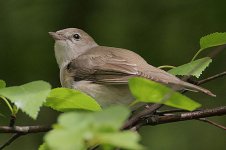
x,y
205,80
211,78
212,54
24,129
212,123
13,138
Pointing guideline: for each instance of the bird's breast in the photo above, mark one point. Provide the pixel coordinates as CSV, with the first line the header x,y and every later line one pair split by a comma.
x,y
105,95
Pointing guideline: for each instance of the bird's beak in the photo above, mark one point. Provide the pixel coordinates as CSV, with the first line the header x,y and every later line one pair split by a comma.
x,y
56,36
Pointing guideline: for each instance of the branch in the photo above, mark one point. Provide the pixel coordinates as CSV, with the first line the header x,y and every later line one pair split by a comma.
x,y
12,120
134,119
173,111
212,123
211,78
24,129
156,119
219,75
151,120
21,130
145,117
169,112
13,138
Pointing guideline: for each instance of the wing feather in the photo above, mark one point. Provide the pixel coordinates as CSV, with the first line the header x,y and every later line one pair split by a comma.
x,y
105,69
107,65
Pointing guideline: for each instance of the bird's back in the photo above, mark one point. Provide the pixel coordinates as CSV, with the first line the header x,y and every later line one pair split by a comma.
x,y
141,68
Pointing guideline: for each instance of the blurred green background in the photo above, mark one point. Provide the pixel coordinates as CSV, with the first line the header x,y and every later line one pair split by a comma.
x,y
163,32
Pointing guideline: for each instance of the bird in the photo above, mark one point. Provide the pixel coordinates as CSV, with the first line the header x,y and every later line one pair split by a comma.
x,y
103,72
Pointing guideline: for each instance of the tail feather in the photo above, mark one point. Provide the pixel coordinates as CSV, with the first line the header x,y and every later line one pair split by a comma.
x,y
197,88
161,76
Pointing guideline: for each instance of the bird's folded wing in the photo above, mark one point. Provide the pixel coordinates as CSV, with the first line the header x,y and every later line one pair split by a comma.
x,y
105,68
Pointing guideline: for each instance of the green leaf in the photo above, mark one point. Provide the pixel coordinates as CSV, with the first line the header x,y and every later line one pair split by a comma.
x,y
28,97
70,131
125,139
149,91
80,130
2,84
194,68
211,40
63,99
44,146
112,119
64,138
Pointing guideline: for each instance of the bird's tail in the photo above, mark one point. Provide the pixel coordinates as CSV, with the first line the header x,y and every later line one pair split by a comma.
x,y
193,87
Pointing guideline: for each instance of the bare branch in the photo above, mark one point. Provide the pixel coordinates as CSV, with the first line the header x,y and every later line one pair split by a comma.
x,y
152,108
134,119
24,129
156,119
212,123
13,138
211,78
170,111
149,116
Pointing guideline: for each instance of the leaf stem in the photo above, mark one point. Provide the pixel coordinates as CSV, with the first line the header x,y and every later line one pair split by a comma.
x,y
199,51
8,104
15,110
166,66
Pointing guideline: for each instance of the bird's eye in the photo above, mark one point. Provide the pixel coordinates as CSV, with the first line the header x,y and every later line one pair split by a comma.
x,y
76,36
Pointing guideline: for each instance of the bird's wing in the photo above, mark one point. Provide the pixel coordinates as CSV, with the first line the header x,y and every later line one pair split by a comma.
x,y
105,68
108,65
114,66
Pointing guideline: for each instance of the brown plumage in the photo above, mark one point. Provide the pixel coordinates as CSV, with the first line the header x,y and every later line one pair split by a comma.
x,y
103,72
108,65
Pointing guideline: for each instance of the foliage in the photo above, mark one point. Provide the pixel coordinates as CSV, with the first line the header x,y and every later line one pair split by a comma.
x,y
80,130
86,124
151,92
44,146
63,99
211,40
28,97
194,68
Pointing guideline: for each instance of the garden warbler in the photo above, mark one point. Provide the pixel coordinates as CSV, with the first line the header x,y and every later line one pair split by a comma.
x,y
103,72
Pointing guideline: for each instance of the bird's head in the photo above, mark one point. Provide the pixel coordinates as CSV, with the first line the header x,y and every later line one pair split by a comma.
x,y
70,43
